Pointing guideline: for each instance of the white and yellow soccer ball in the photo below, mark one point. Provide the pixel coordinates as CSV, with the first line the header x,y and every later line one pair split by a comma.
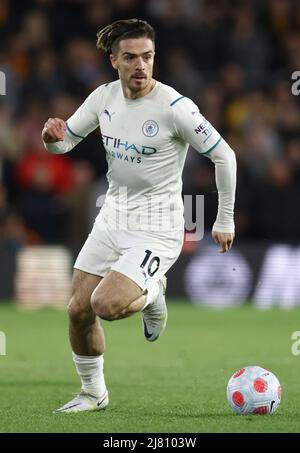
x,y
253,390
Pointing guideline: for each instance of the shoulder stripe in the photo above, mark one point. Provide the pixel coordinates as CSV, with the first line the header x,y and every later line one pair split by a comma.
x,y
176,100
210,149
73,133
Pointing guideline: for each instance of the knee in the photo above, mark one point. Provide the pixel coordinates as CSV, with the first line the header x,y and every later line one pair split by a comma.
x,y
79,313
104,308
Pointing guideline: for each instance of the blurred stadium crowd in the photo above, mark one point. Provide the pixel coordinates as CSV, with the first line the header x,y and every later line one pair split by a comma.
x,y
233,58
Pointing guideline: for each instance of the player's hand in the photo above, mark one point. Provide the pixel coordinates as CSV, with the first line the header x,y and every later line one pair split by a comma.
x,y
225,240
54,130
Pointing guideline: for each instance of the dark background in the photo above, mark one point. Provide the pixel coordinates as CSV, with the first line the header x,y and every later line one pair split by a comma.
x,y
235,59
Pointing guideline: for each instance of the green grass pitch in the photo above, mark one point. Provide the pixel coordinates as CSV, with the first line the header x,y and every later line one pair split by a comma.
x,y
175,385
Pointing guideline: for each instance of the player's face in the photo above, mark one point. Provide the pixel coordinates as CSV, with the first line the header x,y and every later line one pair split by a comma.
x,y
134,60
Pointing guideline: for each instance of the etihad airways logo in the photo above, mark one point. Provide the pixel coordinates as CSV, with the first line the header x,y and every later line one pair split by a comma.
x,y
118,143
125,157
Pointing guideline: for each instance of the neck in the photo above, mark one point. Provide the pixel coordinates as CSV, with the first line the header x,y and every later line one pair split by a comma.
x,y
128,93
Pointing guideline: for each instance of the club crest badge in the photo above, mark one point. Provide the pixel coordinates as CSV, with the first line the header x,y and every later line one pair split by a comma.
x,y
150,128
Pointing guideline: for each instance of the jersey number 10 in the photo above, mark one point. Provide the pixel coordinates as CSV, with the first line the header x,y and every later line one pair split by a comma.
x,y
153,264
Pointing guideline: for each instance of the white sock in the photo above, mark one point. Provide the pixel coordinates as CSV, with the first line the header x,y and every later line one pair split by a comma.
x,y
152,287
90,371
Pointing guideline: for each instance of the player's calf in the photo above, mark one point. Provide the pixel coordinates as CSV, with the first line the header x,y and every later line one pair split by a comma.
x,y
115,297
85,332
106,309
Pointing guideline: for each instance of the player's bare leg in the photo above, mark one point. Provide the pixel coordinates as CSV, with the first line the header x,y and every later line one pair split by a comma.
x,y
117,297
88,344
113,297
85,332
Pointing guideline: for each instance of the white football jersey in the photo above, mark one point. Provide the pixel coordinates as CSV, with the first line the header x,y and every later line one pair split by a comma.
x,y
146,141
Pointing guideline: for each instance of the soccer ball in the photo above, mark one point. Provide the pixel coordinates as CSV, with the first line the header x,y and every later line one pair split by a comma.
x,y
253,390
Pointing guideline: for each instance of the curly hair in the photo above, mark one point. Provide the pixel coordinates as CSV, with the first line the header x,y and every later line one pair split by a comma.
x,y
109,36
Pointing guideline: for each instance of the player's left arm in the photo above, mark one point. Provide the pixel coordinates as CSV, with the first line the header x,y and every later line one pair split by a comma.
x,y
192,127
225,170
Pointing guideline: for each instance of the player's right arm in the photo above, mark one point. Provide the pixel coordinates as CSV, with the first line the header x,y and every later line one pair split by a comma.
x,y
59,136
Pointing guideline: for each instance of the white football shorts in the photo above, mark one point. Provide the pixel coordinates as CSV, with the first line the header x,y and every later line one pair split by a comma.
x,y
137,254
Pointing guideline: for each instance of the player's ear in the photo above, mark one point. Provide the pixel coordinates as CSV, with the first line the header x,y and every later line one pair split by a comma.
x,y
113,61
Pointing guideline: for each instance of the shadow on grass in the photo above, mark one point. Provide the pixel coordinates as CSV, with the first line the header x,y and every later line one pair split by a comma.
x,y
38,383
223,415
